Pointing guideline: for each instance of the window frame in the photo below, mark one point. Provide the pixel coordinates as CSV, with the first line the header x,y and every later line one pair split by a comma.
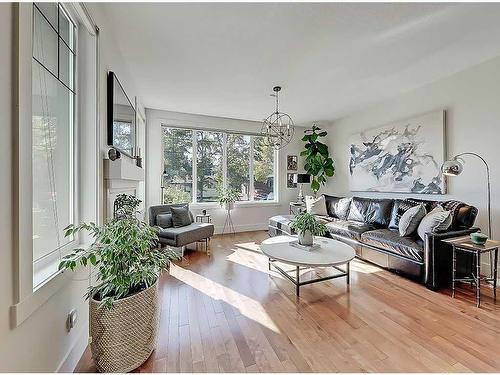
x,y
194,188
28,299
43,268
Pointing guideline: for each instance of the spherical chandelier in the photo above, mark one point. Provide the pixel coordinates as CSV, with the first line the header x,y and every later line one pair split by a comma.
x,y
278,127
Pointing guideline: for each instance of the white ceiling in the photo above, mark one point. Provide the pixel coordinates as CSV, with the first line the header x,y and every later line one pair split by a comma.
x,y
223,59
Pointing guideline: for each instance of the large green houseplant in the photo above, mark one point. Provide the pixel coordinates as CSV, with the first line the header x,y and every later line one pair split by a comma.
x,y
318,162
127,267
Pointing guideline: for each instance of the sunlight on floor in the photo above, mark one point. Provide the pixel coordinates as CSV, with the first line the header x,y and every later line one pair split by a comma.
x,y
248,307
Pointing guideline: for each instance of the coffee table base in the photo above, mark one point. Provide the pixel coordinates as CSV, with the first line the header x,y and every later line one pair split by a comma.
x,y
296,280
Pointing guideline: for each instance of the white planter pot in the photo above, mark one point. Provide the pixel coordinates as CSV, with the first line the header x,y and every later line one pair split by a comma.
x,y
306,239
124,337
229,206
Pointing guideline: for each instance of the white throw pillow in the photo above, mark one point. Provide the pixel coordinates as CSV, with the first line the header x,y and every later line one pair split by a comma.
x,y
409,221
438,220
316,206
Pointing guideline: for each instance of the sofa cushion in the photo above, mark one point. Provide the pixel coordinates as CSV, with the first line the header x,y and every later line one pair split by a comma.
x,y
390,240
180,216
164,220
187,234
410,219
463,215
316,206
371,211
438,220
349,229
337,207
282,223
401,205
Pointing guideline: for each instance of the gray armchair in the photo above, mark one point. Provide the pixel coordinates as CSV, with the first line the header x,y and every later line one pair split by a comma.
x,y
179,236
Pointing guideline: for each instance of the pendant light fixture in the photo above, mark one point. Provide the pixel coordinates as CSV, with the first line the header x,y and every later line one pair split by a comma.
x,y
278,127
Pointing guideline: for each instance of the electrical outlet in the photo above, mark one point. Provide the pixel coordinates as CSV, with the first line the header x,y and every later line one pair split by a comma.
x,y
72,319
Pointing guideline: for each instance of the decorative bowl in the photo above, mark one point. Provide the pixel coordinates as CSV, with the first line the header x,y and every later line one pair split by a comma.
x,y
478,238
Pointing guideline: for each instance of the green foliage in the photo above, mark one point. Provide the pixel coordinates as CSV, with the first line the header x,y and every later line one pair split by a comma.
x,y
307,222
124,255
263,159
318,162
228,196
238,160
172,194
126,205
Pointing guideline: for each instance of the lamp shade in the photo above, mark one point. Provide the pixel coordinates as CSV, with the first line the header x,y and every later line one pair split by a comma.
x,y
452,167
303,178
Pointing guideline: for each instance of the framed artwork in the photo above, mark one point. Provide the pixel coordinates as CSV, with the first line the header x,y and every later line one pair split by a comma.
x,y
291,162
290,180
402,157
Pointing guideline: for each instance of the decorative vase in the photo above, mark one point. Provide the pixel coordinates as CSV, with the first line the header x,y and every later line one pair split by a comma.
x,y
124,336
306,238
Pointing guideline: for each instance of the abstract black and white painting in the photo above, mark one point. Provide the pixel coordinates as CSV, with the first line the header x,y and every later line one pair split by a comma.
x,y
404,156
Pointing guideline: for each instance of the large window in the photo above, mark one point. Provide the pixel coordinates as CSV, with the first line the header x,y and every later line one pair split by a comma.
x,y
53,129
177,165
221,159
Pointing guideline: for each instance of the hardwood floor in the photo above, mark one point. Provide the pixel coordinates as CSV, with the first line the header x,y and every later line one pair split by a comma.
x,y
228,313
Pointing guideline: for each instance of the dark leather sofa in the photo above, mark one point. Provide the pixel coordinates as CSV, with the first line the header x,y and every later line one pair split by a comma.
x,y
370,226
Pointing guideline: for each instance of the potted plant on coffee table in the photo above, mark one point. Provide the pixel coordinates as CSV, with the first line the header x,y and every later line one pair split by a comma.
x,y
307,226
124,304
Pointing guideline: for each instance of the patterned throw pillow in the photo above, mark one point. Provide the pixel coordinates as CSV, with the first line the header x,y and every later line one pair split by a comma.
x,y
438,220
411,219
399,208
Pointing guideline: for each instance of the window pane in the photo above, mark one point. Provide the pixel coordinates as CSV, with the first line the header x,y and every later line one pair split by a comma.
x,y
178,167
263,170
52,158
238,164
44,42
66,29
209,165
49,10
66,61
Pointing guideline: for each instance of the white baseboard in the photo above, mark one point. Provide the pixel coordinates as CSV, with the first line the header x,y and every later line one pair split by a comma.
x,y
68,364
243,228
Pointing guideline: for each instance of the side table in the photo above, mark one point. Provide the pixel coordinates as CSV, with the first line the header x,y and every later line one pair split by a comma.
x,y
466,245
200,218
297,207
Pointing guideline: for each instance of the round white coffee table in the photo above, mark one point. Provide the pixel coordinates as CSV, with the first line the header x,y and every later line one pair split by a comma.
x,y
331,253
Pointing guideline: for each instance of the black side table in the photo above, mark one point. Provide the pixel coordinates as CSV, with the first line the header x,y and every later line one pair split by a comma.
x,y
466,245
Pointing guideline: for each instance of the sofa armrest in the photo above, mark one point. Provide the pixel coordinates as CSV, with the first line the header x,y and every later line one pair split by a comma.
x,y
438,257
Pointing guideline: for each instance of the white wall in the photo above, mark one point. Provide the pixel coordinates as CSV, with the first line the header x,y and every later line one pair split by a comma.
x,y
245,218
471,99
42,343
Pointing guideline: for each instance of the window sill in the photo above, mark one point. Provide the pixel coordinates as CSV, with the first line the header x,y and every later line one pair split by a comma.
x,y
200,206
47,282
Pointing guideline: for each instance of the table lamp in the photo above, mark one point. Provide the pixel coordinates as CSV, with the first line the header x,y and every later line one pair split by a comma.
x,y
301,178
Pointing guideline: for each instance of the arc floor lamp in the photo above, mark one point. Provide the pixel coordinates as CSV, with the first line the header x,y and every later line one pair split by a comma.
x,y
455,166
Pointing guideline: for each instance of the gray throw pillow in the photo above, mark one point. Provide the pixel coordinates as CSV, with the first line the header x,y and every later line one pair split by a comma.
x,y
164,220
408,223
180,216
438,220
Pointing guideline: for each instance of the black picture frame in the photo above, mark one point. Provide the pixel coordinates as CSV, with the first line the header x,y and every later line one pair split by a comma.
x,y
111,116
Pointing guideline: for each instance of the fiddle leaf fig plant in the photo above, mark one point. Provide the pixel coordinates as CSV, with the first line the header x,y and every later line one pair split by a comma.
x,y
318,162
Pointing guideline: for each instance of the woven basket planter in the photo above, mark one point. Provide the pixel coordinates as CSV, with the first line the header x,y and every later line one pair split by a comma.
x,y
124,337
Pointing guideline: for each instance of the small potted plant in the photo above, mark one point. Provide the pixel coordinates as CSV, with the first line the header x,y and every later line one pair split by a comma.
x,y
124,301
307,226
227,197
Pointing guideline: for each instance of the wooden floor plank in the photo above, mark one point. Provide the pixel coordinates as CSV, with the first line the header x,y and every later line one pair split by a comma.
x,y
229,313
